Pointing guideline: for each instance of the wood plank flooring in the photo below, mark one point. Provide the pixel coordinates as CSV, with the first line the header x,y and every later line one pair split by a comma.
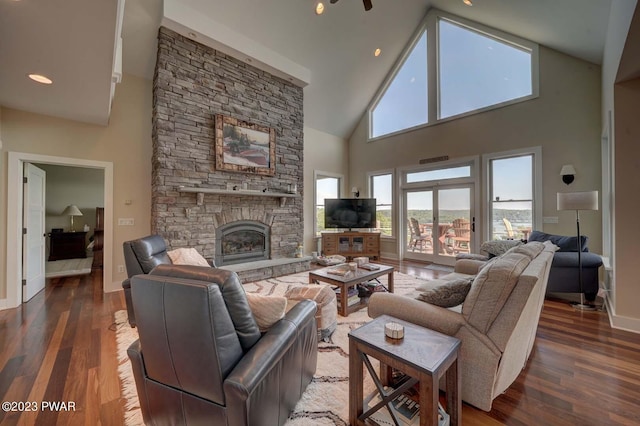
x,y
59,347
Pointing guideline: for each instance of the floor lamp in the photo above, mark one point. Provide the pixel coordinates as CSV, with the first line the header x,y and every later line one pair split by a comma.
x,y
587,200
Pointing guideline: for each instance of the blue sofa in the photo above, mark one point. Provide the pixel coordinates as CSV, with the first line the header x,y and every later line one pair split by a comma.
x,y
563,277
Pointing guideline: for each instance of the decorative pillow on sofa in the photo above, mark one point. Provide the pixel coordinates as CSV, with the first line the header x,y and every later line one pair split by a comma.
x,y
451,293
267,310
187,256
498,247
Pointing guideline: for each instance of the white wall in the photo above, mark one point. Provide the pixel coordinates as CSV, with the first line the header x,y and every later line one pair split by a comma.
x,y
622,100
126,142
326,153
564,120
81,186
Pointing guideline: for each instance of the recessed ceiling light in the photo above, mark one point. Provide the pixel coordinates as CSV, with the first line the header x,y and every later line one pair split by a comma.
x,y
40,78
468,2
319,8
377,52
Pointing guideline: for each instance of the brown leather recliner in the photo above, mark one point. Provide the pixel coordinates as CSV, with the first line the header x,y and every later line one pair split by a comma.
x,y
201,359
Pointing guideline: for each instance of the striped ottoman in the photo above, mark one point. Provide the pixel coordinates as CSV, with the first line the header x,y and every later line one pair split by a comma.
x,y
325,298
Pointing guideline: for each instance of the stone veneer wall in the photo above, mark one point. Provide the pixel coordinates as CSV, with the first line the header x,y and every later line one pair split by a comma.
x,y
192,84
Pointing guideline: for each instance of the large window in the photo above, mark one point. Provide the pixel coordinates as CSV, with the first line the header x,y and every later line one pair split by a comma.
x,y
327,186
477,71
404,103
513,184
381,185
478,68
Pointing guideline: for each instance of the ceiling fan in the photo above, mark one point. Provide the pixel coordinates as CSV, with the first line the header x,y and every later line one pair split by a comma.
x,y
367,3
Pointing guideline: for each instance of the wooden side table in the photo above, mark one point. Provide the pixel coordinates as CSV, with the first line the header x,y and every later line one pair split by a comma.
x,y
424,355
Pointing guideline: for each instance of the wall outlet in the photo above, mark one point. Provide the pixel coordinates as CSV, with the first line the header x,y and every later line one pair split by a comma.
x,y
120,268
128,221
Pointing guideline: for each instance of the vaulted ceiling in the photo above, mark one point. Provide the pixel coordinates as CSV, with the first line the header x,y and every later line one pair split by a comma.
x,y
74,42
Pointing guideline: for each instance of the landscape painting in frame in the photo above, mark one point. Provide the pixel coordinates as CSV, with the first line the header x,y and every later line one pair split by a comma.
x,y
244,147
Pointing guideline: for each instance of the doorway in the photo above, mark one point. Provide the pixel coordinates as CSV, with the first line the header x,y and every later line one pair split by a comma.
x,y
441,223
438,213
17,160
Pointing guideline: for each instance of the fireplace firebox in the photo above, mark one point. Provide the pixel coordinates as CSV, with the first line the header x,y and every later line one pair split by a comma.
x,y
242,241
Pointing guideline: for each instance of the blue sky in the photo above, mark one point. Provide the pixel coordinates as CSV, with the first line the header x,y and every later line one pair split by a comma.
x,y
475,71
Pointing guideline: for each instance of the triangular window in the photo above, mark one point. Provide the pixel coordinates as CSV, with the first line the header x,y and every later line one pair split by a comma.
x,y
404,103
477,71
474,69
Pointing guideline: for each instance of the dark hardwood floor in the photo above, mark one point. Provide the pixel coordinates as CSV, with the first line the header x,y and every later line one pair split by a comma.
x,y
59,347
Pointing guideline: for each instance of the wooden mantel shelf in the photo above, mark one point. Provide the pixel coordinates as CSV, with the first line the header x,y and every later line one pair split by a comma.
x,y
252,193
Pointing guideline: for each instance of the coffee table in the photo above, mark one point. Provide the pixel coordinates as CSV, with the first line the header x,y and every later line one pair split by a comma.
x,y
351,279
423,355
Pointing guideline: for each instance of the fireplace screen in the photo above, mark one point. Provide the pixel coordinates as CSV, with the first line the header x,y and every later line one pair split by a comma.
x,y
242,241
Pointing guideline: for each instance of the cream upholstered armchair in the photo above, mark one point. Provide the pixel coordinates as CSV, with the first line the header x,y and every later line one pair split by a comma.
x,y
497,322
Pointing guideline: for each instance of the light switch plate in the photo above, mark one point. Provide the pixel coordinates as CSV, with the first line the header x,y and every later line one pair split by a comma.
x,y
128,221
550,219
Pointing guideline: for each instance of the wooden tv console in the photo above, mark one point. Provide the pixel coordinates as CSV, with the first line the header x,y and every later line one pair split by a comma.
x,y
351,244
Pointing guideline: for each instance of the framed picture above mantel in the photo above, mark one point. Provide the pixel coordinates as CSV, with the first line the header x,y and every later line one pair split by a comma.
x,y
244,147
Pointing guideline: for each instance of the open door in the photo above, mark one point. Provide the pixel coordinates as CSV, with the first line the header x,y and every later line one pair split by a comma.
x,y
33,265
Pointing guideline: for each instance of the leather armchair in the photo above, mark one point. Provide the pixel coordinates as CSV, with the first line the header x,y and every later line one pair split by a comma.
x,y
201,359
140,257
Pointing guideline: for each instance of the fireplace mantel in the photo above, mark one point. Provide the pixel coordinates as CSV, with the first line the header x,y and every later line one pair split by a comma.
x,y
253,193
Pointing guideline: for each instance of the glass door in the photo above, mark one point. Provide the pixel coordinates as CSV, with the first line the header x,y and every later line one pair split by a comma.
x,y
439,223
455,222
419,223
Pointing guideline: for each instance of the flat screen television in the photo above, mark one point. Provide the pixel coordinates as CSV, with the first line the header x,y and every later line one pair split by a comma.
x,y
348,213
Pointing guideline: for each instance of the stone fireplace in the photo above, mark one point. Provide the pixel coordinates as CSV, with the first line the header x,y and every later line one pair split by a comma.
x,y
192,84
242,241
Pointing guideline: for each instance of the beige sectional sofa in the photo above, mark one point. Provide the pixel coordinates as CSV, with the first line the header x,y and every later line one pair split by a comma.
x,y
497,322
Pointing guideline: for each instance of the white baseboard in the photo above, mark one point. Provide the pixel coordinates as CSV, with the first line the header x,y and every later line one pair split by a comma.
x,y
619,322
115,286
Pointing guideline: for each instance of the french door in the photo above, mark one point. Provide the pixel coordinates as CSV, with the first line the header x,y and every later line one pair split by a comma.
x,y
439,222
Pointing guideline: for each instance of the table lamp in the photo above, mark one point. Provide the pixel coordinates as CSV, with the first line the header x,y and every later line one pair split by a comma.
x,y
72,210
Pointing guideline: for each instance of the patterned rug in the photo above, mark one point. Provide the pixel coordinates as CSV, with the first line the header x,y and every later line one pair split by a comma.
x,y
325,400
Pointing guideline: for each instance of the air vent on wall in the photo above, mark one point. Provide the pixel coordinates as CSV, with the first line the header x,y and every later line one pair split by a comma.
x,y
433,159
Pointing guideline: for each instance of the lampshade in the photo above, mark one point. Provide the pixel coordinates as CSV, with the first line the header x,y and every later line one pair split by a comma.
x,y
567,169
72,210
586,200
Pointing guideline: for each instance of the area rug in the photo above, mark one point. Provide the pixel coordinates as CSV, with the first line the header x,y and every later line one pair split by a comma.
x,y
68,267
325,402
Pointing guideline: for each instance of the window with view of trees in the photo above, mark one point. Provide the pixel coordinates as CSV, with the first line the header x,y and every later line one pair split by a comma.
x,y
382,190
326,187
478,68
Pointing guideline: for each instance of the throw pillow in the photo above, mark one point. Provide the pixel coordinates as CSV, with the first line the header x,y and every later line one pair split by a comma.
x,y
267,310
447,295
187,256
498,247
